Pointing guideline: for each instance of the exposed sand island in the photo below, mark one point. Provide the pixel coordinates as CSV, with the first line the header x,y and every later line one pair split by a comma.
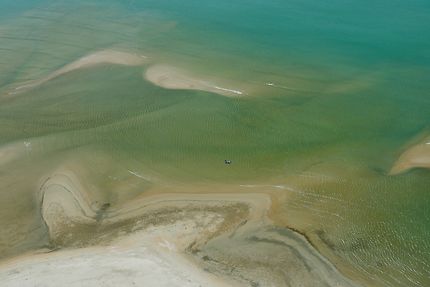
x,y
222,239
169,77
112,57
417,156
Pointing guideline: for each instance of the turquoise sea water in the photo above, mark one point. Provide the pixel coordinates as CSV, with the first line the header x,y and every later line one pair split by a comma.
x,y
350,89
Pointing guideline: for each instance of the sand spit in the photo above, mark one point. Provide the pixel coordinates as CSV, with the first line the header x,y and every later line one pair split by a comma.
x,y
166,240
417,156
169,77
111,57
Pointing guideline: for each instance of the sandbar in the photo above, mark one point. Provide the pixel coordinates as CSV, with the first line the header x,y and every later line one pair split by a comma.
x,y
416,156
170,77
111,57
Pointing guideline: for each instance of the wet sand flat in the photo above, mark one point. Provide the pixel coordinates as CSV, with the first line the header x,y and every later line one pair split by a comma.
x,y
166,240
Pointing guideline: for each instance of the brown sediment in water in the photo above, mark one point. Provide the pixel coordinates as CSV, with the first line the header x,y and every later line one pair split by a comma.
x,y
12,151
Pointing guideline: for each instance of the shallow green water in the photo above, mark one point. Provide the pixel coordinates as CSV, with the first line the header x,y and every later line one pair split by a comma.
x,y
351,89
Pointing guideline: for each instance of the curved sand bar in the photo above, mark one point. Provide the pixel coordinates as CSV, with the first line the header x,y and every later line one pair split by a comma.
x,y
166,240
417,156
169,77
101,57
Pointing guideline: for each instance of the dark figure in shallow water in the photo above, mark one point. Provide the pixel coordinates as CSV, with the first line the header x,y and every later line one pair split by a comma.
x,y
227,161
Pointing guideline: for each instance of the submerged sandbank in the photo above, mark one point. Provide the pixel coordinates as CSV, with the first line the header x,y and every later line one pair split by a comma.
x,y
164,76
169,77
216,239
416,156
12,151
112,57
